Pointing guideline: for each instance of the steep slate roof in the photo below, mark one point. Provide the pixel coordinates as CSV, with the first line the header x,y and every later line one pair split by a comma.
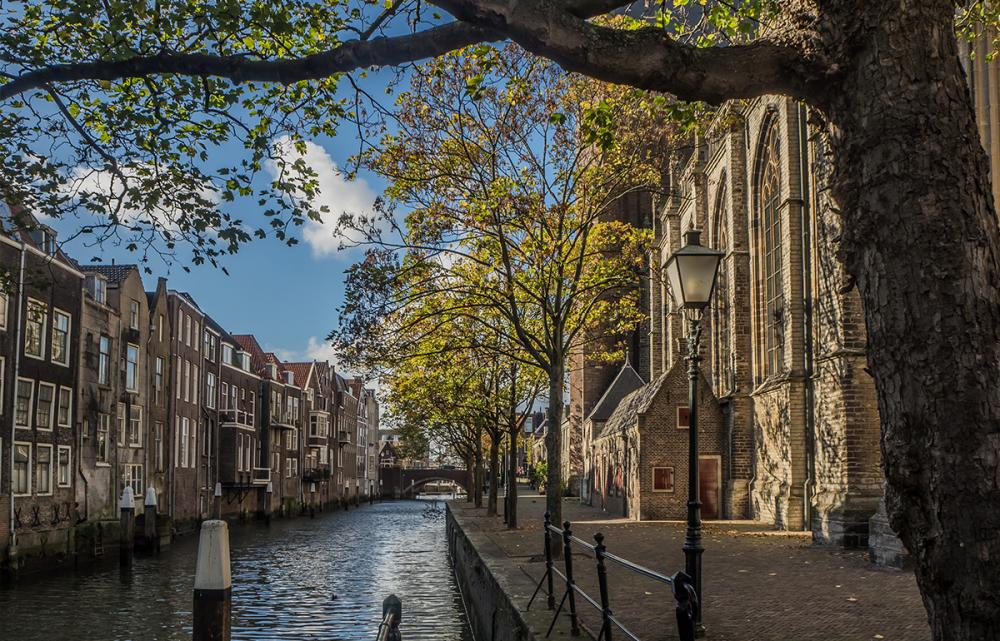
x,y
215,327
627,381
114,273
249,344
634,404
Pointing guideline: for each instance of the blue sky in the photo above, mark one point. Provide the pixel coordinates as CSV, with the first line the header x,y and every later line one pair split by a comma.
x,y
287,296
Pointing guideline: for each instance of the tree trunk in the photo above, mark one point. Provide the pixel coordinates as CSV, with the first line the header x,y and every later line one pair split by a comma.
x,y
491,504
921,240
470,474
553,445
512,477
478,501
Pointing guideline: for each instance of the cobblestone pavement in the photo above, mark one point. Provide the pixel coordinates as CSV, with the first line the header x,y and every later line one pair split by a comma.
x,y
759,585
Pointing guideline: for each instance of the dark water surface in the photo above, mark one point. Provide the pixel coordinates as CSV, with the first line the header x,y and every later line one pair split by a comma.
x,y
284,578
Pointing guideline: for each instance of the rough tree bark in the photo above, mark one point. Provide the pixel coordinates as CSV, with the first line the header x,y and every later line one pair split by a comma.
x,y
553,446
921,239
512,473
478,500
491,503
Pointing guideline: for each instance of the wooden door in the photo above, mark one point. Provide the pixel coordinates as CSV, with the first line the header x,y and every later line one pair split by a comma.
x,y
710,482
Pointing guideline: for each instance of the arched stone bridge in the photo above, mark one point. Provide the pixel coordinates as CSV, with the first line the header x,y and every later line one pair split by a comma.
x,y
398,482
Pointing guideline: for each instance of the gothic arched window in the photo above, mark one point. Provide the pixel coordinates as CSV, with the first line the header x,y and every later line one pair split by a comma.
x,y
770,257
722,328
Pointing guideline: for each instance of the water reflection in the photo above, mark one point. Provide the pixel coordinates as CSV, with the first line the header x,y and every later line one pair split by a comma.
x,y
299,579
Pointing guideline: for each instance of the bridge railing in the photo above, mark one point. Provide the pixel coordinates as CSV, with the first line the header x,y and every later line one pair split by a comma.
x,y
680,583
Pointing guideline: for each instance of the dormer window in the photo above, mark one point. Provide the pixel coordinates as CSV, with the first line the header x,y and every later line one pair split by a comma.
x,y
97,285
227,354
45,238
245,361
272,371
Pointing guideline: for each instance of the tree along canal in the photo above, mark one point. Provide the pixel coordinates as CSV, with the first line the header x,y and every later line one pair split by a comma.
x,y
302,578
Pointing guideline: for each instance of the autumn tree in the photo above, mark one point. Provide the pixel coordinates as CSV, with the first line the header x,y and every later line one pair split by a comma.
x,y
150,91
509,171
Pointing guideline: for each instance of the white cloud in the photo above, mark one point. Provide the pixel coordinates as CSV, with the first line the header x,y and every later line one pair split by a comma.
x,y
336,193
318,350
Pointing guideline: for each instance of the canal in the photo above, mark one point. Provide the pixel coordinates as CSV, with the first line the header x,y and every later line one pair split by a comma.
x,y
321,578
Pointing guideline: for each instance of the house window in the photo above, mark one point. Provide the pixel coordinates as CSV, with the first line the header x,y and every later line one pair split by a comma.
x,y
185,426
195,387
65,474
769,219
158,380
210,390
122,426
3,309
22,469
103,437
159,328
132,368
227,354
683,417
197,330
132,477
44,405
60,337
253,404
34,329
22,407
187,330
133,314
135,427
158,442
663,479
211,345
187,380
43,469
104,361
193,445
177,379
100,290
224,405
64,409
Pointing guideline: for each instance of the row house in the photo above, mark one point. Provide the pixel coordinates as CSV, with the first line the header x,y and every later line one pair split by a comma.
x,y
40,313
106,386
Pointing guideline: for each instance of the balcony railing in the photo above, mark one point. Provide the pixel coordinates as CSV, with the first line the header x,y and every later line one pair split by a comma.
x,y
261,475
236,417
343,437
315,474
317,440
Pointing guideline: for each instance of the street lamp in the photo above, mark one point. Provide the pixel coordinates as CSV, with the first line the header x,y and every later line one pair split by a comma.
x,y
691,272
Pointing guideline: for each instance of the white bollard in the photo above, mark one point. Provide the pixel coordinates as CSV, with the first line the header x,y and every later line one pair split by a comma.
x,y
213,583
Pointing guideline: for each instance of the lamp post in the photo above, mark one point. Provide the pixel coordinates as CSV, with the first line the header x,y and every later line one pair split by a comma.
x,y
691,273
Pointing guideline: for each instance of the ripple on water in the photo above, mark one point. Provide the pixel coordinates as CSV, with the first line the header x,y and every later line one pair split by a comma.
x,y
284,581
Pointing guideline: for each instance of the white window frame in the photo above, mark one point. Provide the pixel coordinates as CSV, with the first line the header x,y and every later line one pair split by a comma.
x,y
197,333
134,316
53,404
3,386
67,337
195,384
135,378
129,478
103,360
187,381
224,396
69,466
132,440
44,323
4,303
158,380
38,448
69,407
103,425
30,470
159,328
31,403
185,426
211,385
187,330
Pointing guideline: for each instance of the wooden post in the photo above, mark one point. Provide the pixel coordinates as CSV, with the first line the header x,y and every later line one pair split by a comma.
x,y
127,546
267,503
149,516
213,584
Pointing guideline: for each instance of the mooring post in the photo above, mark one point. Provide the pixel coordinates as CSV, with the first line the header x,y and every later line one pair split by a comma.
x,y
217,497
267,503
312,501
127,547
212,583
392,614
149,520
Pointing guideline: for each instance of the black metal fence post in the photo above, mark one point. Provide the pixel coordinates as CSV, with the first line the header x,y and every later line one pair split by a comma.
x,y
570,592
602,584
687,606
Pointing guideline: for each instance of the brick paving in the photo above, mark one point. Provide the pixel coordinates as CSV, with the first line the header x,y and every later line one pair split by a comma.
x,y
759,585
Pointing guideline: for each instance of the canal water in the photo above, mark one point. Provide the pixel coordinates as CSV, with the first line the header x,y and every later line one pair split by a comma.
x,y
321,578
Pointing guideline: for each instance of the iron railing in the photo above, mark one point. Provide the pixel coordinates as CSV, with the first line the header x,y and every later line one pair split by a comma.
x,y
680,584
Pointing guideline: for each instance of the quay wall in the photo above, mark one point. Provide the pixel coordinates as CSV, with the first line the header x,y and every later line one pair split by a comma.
x,y
495,588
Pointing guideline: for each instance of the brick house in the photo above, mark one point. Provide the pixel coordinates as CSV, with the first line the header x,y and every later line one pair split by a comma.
x,y
242,456
40,314
641,452
190,494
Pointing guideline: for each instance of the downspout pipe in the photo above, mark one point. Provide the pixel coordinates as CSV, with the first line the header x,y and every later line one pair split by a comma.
x,y
807,301
17,373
